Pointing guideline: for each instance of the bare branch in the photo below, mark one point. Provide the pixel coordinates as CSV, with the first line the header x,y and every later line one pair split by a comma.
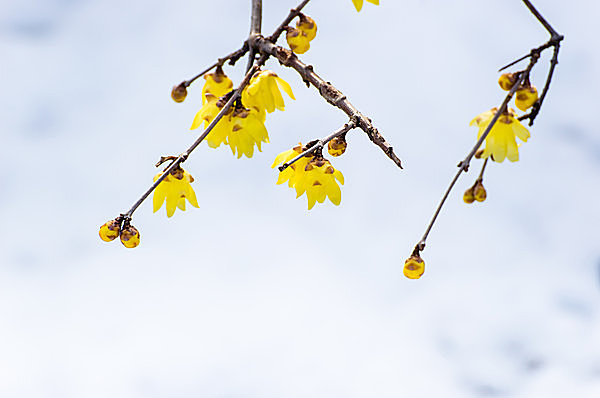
x,y
232,57
327,91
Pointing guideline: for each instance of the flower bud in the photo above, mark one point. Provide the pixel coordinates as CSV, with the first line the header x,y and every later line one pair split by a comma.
x,y
179,92
469,196
307,25
337,146
414,267
479,192
130,237
110,230
507,81
297,40
526,97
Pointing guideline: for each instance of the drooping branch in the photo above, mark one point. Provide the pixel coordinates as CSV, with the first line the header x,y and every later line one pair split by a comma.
x,y
327,90
183,157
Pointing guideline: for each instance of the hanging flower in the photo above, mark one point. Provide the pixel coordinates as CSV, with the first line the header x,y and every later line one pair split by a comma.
x,y
264,93
206,114
307,25
297,40
174,189
500,143
248,129
359,3
313,175
217,84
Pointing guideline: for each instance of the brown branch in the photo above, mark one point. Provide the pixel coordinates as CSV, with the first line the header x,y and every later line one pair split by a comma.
x,y
327,91
231,57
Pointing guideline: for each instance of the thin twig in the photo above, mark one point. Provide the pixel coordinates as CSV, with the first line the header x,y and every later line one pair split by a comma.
x,y
320,143
232,57
183,157
294,12
327,91
255,29
485,162
464,165
540,18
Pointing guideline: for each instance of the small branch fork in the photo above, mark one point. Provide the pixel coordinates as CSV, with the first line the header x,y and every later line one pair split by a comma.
x,y
533,56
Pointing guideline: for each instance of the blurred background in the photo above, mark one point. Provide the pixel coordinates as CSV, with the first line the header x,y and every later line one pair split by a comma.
x,y
252,295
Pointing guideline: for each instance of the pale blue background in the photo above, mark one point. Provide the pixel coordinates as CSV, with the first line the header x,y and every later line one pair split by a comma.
x,y
252,295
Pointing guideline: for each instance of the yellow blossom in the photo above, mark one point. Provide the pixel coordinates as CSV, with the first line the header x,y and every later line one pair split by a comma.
x,y
314,176
337,146
263,92
248,129
174,189
507,80
359,3
479,192
297,40
500,142
217,84
206,114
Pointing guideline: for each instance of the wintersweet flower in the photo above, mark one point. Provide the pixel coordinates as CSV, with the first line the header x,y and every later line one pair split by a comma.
x,y
359,3
248,129
130,236
414,267
110,230
206,114
263,92
312,175
525,97
500,142
217,84
174,189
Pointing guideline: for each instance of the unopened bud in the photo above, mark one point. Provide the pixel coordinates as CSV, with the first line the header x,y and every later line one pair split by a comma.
x,y
308,26
507,80
414,267
526,97
479,192
130,237
469,196
337,146
179,92
110,230
297,40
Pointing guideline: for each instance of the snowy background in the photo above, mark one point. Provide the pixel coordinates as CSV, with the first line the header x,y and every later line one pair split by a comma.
x,y
251,295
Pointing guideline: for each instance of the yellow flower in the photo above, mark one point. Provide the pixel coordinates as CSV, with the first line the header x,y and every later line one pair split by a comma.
x,y
500,142
297,40
359,3
206,114
217,84
307,25
507,80
337,146
314,176
248,129
263,92
175,188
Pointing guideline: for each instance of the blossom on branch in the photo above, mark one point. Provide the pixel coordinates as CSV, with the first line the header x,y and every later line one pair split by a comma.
x,y
500,143
264,93
217,84
174,189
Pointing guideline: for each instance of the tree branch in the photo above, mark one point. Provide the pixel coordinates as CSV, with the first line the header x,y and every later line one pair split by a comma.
x,y
327,91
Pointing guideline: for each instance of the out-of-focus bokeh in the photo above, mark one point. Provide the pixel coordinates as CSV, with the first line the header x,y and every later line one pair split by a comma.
x,y
251,295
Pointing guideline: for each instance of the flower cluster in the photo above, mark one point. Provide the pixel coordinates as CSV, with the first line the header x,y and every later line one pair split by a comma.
x,y
174,190
500,143
359,3
476,193
299,38
130,236
312,174
243,127
525,96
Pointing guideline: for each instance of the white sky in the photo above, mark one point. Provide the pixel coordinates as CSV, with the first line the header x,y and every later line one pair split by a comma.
x,y
251,295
